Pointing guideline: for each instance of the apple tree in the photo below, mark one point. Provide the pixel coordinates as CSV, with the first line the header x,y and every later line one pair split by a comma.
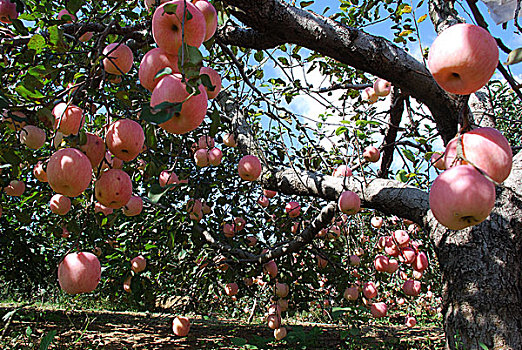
x,y
189,146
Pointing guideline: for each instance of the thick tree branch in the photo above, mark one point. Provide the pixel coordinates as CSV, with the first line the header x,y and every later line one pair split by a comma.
x,y
397,109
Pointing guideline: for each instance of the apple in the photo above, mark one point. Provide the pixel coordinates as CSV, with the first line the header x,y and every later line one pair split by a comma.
x,y
270,268
66,16
60,204
252,241
486,148
461,197
274,321
181,326
269,194
407,255
229,140
369,95
100,208
138,264
376,222
379,309
231,289
393,265
283,304
79,273
369,290
206,142
342,171
293,209
206,209
113,189
263,201
437,160
354,260
210,14
239,223
118,59
421,262
167,28
171,89
371,154
390,247
417,274
133,207
32,136
249,281
15,188
125,139
168,178
349,203
152,63
351,293
411,287
381,263
463,58
39,172
67,119
280,333
229,230
382,87
281,290
94,149
127,284
86,37
201,157
69,172
215,79
402,238
249,168
410,322
7,11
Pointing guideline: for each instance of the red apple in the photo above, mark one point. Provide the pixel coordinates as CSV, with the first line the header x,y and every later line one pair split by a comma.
x,y
127,284
67,119
283,304
281,290
463,58
382,87
32,136
79,273
376,221
371,154
269,194
351,293
15,188
381,263
60,204
229,140
293,209
437,160
138,264
354,260
69,172
349,203
421,262
168,178
342,171
113,189
231,289
407,255
461,197
252,240
118,59
249,168
152,63
369,95
39,172
201,157
410,322
215,79
402,238
94,149
63,13
369,290
206,142
181,326
7,11
263,201
379,309
133,207
411,287
125,139
214,156
280,333
274,321
270,268
393,265
100,208
210,14
85,37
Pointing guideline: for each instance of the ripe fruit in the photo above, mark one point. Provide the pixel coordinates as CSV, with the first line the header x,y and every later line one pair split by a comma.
x,y
411,287
60,204
390,247
210,14
281,289
355,260
369,95
201,157
113,189
342,170
94,149
393,265
461,197
167,28
249,168
69,172
138,264
274,321
293,209
125,139
410,322
85,37
251,241
39,172
269,194
171,89
152,63
127,284
280,333
437,160
486,148
229,231
15,188
369,290
381,263
133,207
379,309
376,221
283,304
181,326
206,142
463,58
167,178
407,255
229,140
66,16
421,262
79,273
351,293
371,154
7,11
349,203
382,87
100,208
118,59
32,136
270,268
71,118
263,201
231,289
215,79
402,238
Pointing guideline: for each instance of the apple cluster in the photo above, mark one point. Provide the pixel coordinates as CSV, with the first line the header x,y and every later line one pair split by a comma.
x,y
380,88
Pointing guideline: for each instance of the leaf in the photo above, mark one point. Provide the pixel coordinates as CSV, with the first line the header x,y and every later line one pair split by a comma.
x,y
405,32
341,130
239,341
10,314
306,3
47,340
160,113
483,346
170,9
37,43
258,56
163,72
205,80
216,123
74,6
514,56
156,192
422,18
408,154
401,176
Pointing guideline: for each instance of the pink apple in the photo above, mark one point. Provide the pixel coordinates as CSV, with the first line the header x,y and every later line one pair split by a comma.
x,y
270,268
381,263
349,203
100,208
32,136
15,188
274,321
279,333
67,119
281,289
118,59
351,293
171,89
411,287
167,28
390,247
463,58
127,284
371,154
410,322
249,168
152,63
215,79
201,157
60,204
231,289
69,172
252,240
210,14
269,194
63,13
342,171
85,37
125,139
79,273
94,149
181,326
206,142
293,209
113,189
7,11
401,237
407,255
138,264
379,310
214,156
229,140
393,265
133,207
376,221
168,178
369,95
487,149
229,230
461,197
39,172
369,290
382,87
421,262
263,201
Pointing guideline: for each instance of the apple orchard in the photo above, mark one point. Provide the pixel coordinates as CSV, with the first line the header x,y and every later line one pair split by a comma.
x,y
160,148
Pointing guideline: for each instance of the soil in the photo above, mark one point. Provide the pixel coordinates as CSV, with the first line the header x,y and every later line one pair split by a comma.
x,y
28,327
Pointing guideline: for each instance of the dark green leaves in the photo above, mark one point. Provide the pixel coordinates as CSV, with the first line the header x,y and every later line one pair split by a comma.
x,y
160,113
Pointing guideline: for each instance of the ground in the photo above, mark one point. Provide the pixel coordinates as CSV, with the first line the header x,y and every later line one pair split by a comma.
x,y
32,327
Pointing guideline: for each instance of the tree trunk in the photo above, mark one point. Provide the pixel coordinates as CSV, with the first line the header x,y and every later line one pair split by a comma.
x,y
482,274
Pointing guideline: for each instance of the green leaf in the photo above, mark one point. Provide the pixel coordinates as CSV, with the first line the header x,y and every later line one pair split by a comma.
x,y
401,176
47,340
306,3
170,9
160,113
205,80
408,154
37,43
239,341
156,192
341,130
74,6
514,56
216,123
258,56
56,38
163,72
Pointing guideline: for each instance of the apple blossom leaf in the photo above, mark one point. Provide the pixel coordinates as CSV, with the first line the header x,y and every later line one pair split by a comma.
x,y
341,130
514,56
163,72
20,27
422,18
401,176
